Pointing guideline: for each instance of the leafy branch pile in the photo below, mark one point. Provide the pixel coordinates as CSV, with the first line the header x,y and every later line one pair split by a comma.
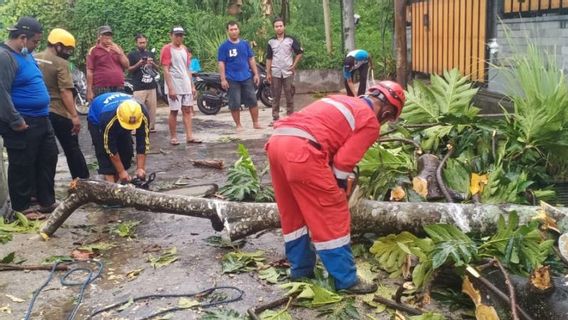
x,y
511,159
244,182
520,248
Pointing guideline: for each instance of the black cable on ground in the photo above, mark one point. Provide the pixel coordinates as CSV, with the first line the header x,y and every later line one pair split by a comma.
x,y
180,295
91,276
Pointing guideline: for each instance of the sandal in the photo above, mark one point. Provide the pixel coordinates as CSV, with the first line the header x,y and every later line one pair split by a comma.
x,y
174,141
34,215
190,141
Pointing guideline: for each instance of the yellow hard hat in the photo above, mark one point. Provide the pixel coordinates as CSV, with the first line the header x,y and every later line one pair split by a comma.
x,y
59,35
129,114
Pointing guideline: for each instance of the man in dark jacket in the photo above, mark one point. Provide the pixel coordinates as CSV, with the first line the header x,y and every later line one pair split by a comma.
x,y
24,121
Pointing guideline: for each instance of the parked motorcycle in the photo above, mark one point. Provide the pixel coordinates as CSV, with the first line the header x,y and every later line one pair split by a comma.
x,y
129,87
80,90
211,97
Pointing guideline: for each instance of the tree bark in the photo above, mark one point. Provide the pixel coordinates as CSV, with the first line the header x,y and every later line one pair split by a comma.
x,y
239,219
327,25
348,25
400,35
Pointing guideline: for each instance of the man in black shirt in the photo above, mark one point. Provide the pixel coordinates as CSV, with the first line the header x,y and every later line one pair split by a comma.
x,y
143,69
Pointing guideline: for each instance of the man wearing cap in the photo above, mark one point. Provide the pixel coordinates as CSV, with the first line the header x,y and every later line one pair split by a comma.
x,y
112,117
24,122
62,114
176,59
106,63
356,60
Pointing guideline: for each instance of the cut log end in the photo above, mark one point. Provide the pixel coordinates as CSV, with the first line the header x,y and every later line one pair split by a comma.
x,y
541,281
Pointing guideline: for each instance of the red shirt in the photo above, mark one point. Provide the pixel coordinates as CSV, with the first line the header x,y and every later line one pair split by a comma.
x,y
106,67
344,145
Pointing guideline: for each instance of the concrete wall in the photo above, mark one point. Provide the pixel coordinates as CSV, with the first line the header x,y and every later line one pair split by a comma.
x,y
4,204
550,33
307,81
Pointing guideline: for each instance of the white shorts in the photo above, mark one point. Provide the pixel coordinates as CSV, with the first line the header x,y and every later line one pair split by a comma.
x,y
185,100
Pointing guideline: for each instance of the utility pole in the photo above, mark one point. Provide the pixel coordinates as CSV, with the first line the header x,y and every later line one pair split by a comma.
x,y
348,25
327,25
400,41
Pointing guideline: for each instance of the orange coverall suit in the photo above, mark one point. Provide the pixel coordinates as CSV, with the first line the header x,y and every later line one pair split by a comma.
x,y
307,152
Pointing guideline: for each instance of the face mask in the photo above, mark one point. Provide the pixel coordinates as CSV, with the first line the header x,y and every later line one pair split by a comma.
x,y
24,51
61,53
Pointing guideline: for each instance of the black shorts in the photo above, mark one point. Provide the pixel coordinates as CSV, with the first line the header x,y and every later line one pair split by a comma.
x,y
125,150
241,92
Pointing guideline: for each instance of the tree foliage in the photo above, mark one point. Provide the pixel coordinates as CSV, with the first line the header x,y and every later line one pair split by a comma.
x,y
205,24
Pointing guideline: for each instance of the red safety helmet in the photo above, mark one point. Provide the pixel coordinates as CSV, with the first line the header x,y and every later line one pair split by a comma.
x,y
392,92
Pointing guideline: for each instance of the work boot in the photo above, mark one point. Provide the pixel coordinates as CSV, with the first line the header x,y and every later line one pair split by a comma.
x,y
362,287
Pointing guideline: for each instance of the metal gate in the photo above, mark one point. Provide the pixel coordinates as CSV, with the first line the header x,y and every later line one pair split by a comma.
x,y
513,8
449,34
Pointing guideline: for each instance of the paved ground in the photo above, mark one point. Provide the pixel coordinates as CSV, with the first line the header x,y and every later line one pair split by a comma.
x,y
198,266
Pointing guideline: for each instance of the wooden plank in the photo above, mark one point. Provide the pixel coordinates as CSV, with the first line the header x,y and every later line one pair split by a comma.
x,y
508,6
423,53
474,53
416,35
430,37
445,34
442,35
437,23
451,31
516,6
482,40
413,35
464,28
534,5
457,42
555,4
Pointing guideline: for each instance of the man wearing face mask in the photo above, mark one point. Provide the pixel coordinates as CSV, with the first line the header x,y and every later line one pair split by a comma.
x,y
311,154
24,121
62,114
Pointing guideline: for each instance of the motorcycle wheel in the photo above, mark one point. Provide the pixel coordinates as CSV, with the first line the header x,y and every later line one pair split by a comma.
x,y
265,96
206,108
81,105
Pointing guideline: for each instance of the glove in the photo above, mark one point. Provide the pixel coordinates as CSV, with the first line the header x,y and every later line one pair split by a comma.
x,y
342,183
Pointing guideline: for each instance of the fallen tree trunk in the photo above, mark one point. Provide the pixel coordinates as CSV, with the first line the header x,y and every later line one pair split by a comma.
x,y
239,219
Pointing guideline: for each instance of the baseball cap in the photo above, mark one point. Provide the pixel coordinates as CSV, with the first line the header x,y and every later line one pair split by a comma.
x,y
349,63
27,24
178,30
104,29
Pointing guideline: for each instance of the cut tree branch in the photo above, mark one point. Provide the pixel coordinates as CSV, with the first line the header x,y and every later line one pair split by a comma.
x,y
439,175
239,219
23,267
512,296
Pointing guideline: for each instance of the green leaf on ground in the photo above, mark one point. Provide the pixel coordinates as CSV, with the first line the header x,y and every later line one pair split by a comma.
x,y
21,225
5,237
223,315
167,257
341,311
56,259
186,303
126,229
217,241
235,262
272,275
428,316
275,315
126,305
9,258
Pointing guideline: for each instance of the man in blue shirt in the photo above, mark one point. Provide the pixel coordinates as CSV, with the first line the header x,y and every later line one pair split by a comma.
x,y
356,60
112,117
24,121
236,61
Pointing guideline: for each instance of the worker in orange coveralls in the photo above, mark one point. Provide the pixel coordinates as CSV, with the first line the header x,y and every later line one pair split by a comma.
x,y
311,154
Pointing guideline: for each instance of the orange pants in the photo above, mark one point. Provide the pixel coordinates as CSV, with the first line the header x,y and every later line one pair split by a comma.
x,y
309,199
